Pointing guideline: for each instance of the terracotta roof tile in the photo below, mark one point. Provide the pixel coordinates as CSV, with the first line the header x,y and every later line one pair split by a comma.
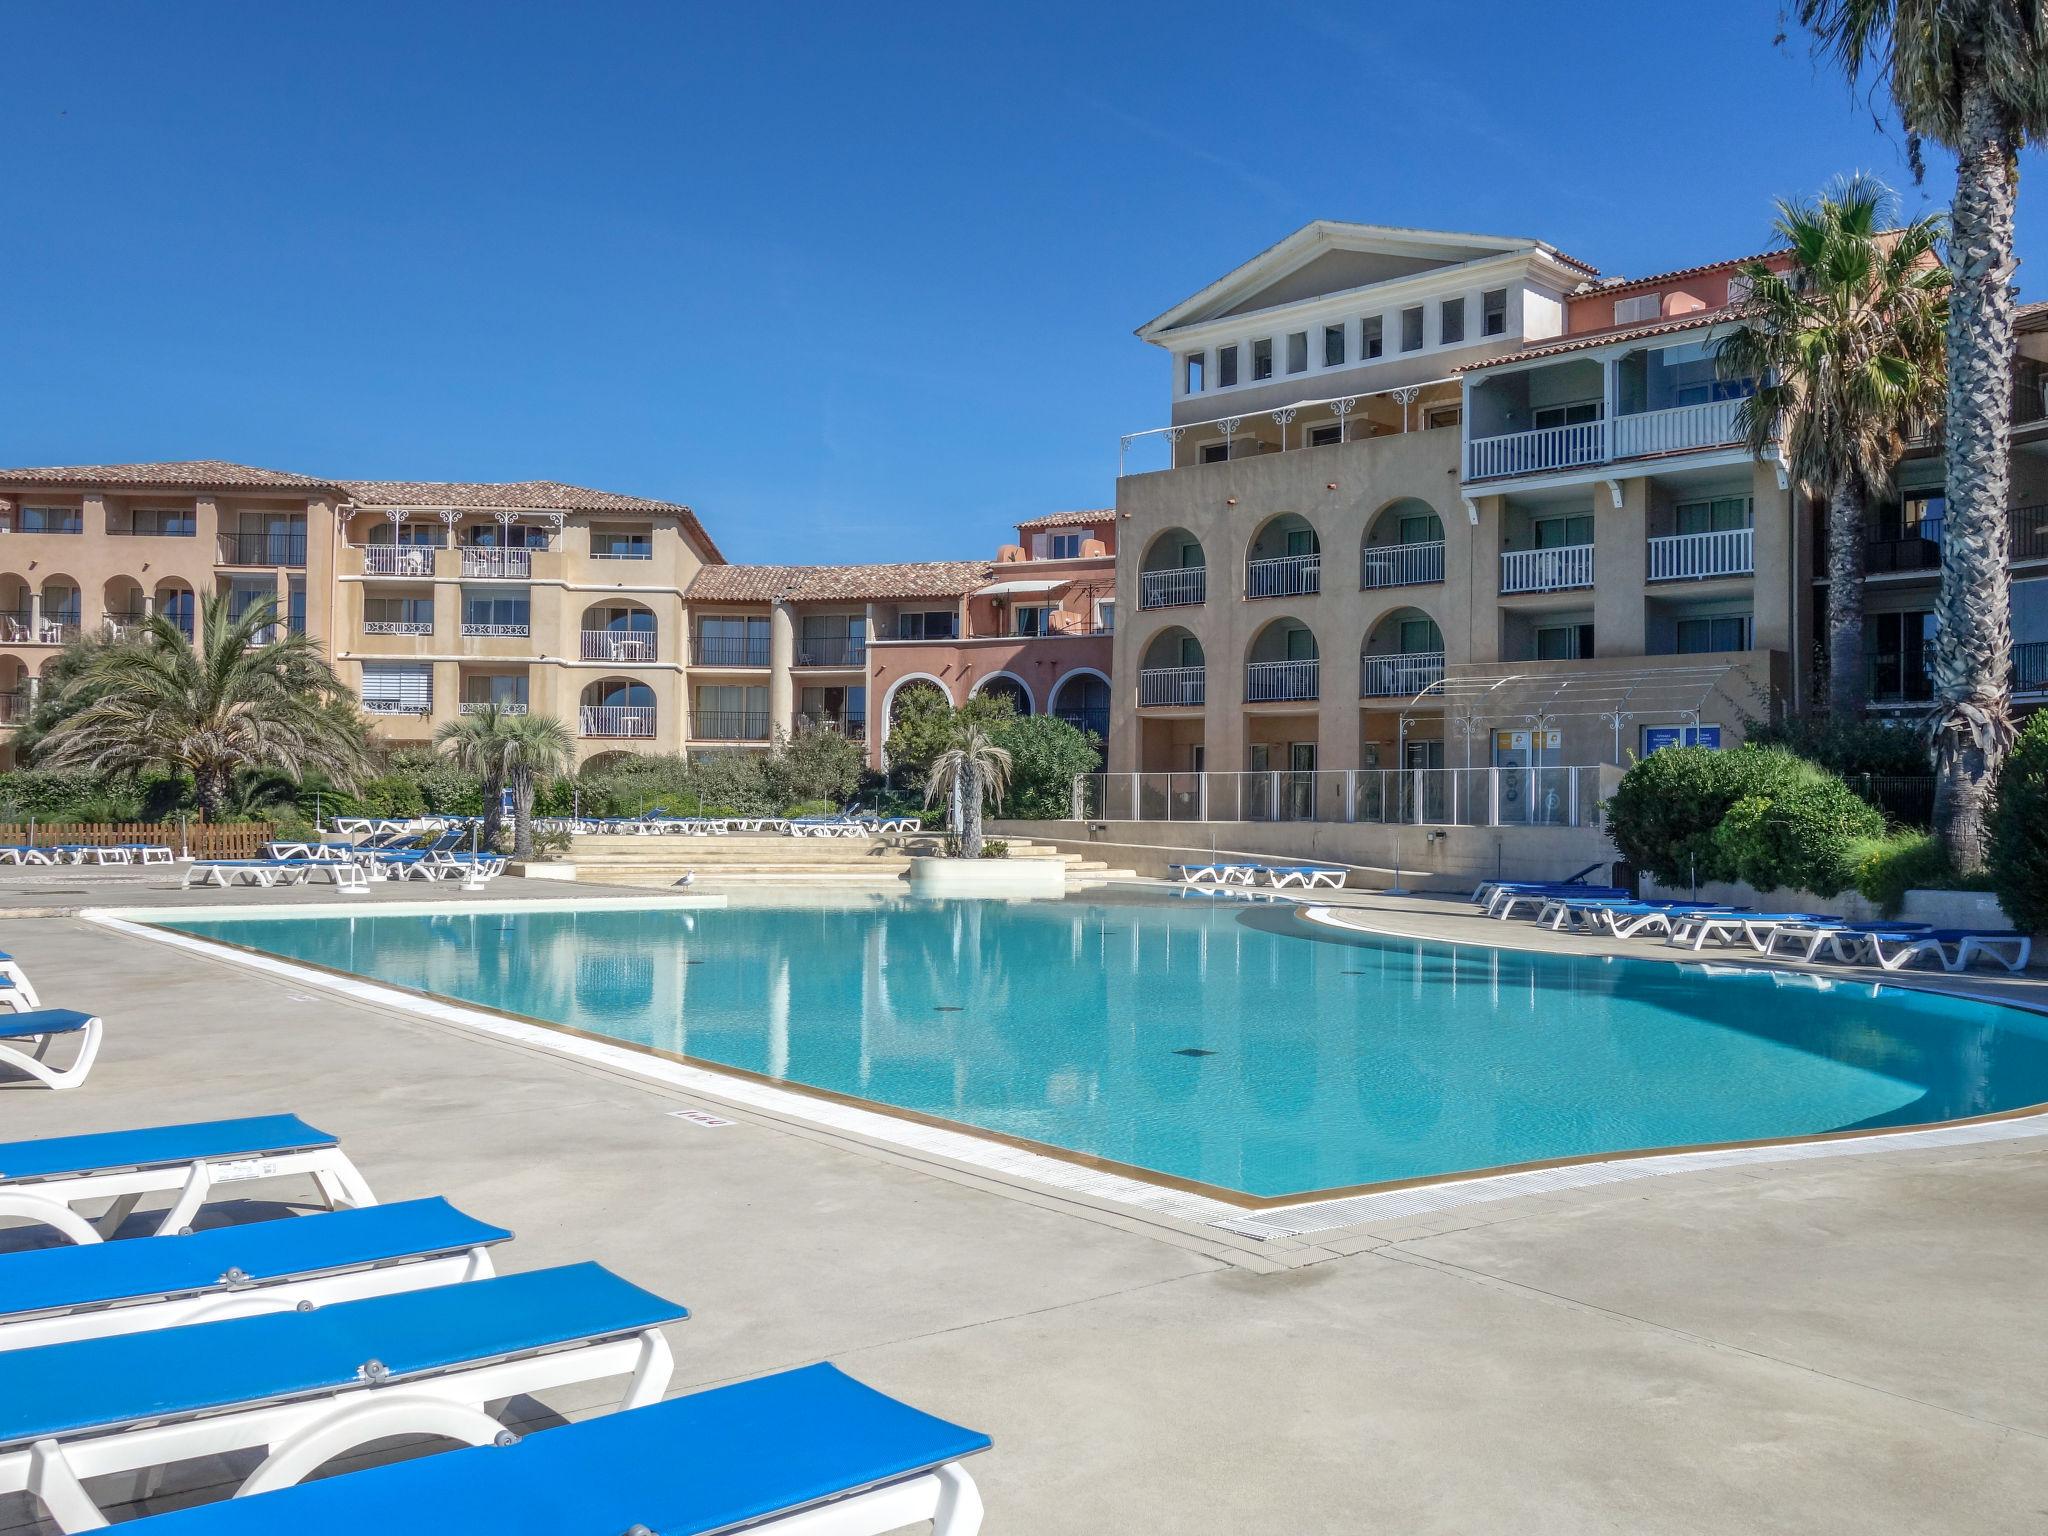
x,y
182,474
1069,519
1622,285
843,583
1587,339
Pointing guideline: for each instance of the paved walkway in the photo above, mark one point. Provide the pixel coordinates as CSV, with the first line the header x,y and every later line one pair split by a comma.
x,y
1846,1345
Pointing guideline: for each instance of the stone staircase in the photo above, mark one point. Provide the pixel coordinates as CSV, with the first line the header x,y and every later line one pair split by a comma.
x,y
765,858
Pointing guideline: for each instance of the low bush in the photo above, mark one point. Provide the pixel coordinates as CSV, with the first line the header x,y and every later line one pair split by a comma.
x,y
1889,866
2018,856
1668,808
995,848
1798,836
1045,754
1847,747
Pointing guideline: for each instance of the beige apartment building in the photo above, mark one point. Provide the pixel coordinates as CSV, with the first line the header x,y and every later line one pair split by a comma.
x,y
1435,503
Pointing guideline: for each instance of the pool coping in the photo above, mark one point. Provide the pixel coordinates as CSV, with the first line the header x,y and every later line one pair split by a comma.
x,y
1060,1170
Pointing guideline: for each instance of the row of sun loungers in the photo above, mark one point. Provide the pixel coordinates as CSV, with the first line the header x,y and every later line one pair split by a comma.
x,y
87,853
718,826
1276,875
293,1342
1810,936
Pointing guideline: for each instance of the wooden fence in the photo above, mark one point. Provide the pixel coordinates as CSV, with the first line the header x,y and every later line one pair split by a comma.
x,y
239,840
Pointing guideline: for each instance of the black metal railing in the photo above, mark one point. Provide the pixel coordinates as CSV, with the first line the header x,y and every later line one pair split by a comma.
x,y
1920,552
731,725
1907,799
2030,533
262,549
2030,666
1094,721
832,651
721,651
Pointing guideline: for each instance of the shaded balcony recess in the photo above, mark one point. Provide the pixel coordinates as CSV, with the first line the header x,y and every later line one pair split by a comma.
x,y
1172,686
1271,681
615,720
1182,587
493,563
730,725
831,651
1546,570
416,560
1284,576
1632,435
288,549
736,651
619,645
852,727
1301,424
1093,721
1700,556
1401,565
1402,674
2030,666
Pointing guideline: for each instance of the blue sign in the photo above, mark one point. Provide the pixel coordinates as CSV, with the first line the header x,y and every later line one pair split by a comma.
x,y
1658,737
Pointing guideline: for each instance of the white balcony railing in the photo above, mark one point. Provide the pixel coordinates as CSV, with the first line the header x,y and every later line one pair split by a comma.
x,y
1401,675
496,631
616,720
510,564
387,705
1283,576
1173,589
1697,556
1677,430
1528,453
1547,570
1401,565
1266,681
1172,685
398,626
618,645
415,560
503,706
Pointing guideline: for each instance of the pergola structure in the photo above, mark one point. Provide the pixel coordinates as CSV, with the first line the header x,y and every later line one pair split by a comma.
x,y
1476,704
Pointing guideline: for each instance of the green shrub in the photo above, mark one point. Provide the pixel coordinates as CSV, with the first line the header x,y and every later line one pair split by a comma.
x,y
815,764
1045,754
809,808
1847,747
2019,830
1800,836
1889,866
1668,807
994,848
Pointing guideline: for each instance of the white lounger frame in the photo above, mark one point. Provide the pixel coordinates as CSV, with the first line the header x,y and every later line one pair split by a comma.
x,y
236,1295
303,1435
30,1054
946,1497
53,1201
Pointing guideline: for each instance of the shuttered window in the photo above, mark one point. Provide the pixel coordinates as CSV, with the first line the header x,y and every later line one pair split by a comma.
x,y
398,688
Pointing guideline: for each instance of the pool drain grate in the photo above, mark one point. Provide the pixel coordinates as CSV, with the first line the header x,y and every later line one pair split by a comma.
x,y
1193,1050
947,1008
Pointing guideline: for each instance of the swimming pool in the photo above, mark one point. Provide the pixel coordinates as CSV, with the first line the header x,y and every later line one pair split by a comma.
x,y
1240,1048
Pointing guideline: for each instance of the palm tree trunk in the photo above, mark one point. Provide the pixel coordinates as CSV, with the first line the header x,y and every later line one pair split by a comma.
x,y
1847,686
494,810
210,789
970,809
1973,621
522,816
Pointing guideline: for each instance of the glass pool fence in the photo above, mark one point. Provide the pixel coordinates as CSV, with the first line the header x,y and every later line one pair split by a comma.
x,y
1442,797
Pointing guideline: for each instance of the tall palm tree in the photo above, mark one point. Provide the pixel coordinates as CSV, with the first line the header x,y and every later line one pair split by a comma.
x,y
537,747
1972,75
478,744
1846,346
969,771
239,698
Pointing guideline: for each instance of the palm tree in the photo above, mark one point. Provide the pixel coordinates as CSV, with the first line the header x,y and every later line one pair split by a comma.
x,y
478,743
537,747
1846,346
1972,75
972,769
237,699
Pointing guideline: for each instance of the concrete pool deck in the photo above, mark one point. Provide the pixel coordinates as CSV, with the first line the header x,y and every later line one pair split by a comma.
x,y
1845,1344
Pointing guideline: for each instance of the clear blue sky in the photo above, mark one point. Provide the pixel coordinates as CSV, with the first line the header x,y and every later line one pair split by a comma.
x,y
853,281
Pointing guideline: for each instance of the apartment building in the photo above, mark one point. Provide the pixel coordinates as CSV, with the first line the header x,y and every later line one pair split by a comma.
x,y
617,614
1429,500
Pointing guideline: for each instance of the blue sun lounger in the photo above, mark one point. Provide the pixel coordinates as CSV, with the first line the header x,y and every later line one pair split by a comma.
x,y
1954,949
29,1035
90,1290
44,1180
810,1450
307,1387
15,990
1504,899
1846,941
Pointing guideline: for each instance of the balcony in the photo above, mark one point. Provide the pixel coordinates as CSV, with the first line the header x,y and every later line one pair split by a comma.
x,y
398,626
387,705
1680,429
413,560
288,549
721,651
728,725
20,627
1268,682
1284,576
493,564
852,727
503,706
1891,557
616,720
832,651
1530,453
2030,533
123,626
1641,434
14,707
630,645
1182,588
471,630
1401,565
1401,675
1546,570
1170,687
1094,721
1702,556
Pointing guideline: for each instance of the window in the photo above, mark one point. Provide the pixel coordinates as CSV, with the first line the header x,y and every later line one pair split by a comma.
x,y
1922,515
732,642
1063,546
398,688
1262,359
1738,289
1326,434
1032,618
1721,515
1420,528
411,535
1371,338
1450,322
836,708
731,713
1105,616
398,615
1493,312
163,522
1191,369
1713,632
1297,352
1573,415
1563,532
1896,650
1632,311
1301,645
1442,416
1333,346
940,624
495,613
1215,453
1226,367
242,596
1190,652
1564,642
1411,329
1421,635
507,691
1301,541
621,544
52,520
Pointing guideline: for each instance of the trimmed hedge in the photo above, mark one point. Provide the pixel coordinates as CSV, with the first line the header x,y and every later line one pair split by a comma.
x,y
1799,837
2019,830
1668,808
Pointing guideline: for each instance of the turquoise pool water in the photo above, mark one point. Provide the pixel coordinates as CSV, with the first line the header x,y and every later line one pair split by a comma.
x,y
1233,1046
